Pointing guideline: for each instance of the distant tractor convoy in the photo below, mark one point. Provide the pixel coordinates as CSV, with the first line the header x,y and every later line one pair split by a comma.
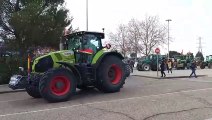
x,y
83,64
179,62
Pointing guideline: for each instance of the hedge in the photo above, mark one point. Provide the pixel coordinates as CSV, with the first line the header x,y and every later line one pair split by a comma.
x,y
8,67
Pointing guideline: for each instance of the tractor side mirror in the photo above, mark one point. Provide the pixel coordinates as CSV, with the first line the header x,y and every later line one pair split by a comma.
x,y
108,46
21,69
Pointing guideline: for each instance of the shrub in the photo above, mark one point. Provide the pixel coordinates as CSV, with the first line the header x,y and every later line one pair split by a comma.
x,y
8,67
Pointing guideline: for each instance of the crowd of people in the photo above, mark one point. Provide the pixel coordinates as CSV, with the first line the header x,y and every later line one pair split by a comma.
x,y
169,64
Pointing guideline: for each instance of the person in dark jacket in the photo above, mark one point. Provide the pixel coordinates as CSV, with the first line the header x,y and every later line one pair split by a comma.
x,y
193,69
162,69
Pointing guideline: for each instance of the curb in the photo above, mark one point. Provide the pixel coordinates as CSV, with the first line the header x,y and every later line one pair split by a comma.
x,y
12,91
9,90
168,77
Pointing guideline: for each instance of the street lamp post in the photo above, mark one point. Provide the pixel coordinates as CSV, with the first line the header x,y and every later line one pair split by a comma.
x,y
87,15
168,35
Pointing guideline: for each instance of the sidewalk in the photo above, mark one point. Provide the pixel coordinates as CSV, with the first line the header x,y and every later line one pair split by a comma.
x,y
175,73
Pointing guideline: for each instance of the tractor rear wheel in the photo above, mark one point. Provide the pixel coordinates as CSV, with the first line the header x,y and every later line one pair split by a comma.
x,y
110,75
57,85
210,65
202,66
139,67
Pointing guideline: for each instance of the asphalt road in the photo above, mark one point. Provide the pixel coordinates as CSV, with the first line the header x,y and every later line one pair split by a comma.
x,y
140,99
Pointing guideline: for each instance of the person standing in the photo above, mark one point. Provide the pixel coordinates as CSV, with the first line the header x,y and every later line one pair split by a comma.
x,y
193,69
132,65
170,66
162,69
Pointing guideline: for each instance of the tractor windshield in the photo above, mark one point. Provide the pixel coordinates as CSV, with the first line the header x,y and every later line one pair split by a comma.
x,y
209,57
74,42
88,42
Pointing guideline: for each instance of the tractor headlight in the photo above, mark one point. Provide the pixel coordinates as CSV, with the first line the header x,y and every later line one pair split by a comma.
x,y
14,81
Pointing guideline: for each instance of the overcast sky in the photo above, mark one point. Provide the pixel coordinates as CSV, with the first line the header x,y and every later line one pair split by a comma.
x,y
191,19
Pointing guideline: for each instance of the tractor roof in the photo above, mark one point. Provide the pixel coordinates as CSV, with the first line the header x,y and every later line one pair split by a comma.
x,y
87,32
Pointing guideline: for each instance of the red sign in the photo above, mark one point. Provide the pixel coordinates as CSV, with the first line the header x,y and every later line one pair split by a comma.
x,y
157,50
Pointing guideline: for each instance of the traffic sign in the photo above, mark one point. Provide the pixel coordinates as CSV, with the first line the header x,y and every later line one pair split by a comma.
x,y
157,50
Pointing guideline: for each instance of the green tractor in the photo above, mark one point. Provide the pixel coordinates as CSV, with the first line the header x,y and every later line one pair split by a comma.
x,y
83,64
150,62
207,62
183,61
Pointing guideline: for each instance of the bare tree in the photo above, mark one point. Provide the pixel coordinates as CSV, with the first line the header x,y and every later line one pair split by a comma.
x,y
146,35
119,40
134,36
139,36
153,34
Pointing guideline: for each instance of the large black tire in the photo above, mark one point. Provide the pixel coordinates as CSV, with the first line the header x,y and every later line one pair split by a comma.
x,y
127,70
110,75
153,67
33,87
57,85
202,66
33,91
139,67
146,67
183,68
210,65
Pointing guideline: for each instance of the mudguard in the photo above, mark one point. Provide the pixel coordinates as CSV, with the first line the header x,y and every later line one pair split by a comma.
x,y
107,54
73,69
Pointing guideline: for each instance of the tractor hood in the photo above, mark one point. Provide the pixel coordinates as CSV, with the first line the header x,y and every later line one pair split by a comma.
x,y
45,62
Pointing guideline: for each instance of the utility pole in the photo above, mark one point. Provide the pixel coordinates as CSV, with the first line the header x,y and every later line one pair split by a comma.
x,y
168,35
200,45
86,15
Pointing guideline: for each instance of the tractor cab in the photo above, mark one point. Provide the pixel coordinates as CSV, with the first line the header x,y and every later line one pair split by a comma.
x,y
209,58
84,44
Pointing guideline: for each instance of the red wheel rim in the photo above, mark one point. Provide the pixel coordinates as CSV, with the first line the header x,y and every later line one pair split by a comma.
x,y
60,85
117,73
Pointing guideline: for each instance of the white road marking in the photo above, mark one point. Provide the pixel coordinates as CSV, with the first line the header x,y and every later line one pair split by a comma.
x,y
77,105
13,100
193,80
207,81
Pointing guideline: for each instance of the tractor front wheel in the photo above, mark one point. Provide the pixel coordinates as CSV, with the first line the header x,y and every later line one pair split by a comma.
x,y
57,85
33,87
146,67
33,91
111,75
